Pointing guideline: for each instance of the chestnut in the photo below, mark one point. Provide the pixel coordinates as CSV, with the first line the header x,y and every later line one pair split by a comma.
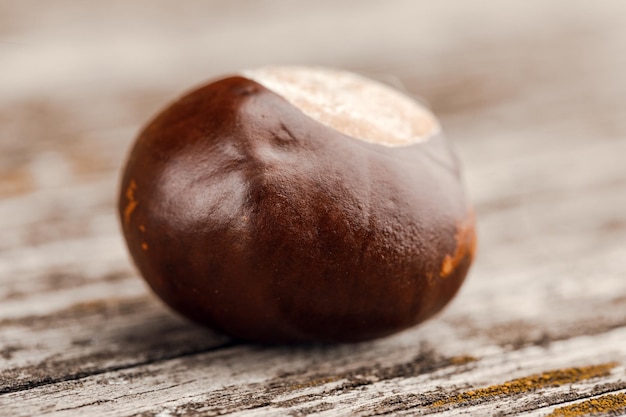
x,y
294,204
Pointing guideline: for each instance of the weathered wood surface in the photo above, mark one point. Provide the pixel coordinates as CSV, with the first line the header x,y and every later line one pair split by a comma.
x,y
532,93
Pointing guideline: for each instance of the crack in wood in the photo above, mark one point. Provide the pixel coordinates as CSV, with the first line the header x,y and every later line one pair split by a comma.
x,y
519,334
74,376
101,308
268,393
113,399
565,398
426,403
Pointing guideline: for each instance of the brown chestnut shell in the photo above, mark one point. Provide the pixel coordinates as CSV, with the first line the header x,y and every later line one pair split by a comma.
x,y
248,216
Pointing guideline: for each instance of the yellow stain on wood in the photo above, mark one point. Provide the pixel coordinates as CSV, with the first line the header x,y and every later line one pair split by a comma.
x,y
144,246
530,383
462,360
465,245
611,403
132,202
314,382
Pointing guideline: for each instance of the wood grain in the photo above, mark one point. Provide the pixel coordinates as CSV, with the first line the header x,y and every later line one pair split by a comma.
x,y
531,93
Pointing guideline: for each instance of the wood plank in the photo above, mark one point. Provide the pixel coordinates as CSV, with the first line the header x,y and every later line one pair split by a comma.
x,y
394,375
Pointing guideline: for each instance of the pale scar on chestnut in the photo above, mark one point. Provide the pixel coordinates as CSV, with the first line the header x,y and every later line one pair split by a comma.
x,y
295,204
336,99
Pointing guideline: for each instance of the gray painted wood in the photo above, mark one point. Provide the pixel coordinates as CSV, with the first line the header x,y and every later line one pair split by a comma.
x,y
531,93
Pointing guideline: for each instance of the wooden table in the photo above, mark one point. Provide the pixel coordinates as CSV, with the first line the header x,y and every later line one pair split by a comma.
x,y
533,94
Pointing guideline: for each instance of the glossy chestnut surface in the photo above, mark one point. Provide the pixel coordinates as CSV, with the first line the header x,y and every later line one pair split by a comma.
x,y
246,215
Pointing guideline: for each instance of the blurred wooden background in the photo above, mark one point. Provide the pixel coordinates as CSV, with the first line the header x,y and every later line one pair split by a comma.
x,y
532,93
